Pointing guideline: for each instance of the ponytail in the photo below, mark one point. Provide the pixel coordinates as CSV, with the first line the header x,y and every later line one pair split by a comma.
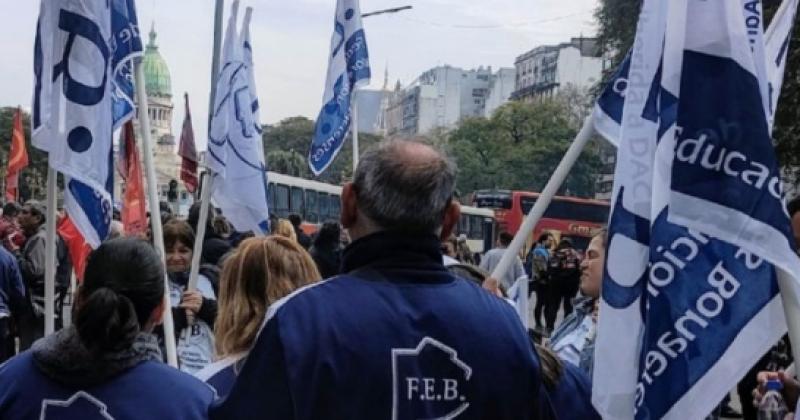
x,y
106,321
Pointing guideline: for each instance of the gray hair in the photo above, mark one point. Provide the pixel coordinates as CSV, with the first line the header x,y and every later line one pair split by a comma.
x,y
405,185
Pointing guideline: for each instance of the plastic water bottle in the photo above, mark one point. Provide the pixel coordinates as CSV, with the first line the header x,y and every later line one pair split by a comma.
x,y
772,406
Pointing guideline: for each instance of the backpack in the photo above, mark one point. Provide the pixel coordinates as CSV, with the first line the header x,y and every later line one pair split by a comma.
x,y
563,263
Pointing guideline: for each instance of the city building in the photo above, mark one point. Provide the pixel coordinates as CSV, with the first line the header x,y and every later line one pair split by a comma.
x,y
542,71
501,87
440,98
158,84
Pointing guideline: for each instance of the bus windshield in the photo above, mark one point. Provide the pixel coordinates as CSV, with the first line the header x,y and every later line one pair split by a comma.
x,y
493,199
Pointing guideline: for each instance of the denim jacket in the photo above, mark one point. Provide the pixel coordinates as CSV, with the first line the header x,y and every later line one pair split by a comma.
x,y
583,309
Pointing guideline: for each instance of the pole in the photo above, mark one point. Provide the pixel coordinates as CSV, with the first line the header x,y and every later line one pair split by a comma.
x,y
155,213
207,181
354,127
50,255
791,308
558,177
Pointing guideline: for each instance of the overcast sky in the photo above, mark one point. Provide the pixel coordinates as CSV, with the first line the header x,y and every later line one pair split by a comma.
x,y
291,41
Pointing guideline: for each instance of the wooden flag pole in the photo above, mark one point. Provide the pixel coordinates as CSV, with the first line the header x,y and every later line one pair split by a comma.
x,y
155,212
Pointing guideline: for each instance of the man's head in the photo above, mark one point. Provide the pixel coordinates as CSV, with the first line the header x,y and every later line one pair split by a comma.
x,y
546,240
403,186
11,210
593,265
295,220
794,212
32,215
504,239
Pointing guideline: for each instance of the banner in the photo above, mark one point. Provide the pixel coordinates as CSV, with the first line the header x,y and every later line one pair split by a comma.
x,y
235,144
348,69
704,310
187,151
82,63
17,158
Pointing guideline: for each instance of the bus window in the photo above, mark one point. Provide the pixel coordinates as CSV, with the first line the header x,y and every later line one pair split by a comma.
x,y
336,207
475,227
463,222
271,196
311,206
281,200
296,203
568,210
323,207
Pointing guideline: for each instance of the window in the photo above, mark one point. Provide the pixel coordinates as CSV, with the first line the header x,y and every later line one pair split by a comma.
x,y
475,227
559,209
296,203
323,206
463,224
281,200
494,200
271,196
312,216
336,206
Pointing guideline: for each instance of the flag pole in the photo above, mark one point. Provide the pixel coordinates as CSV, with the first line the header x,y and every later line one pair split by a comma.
x,y
354,127
546,196
50,255
207,181
155,212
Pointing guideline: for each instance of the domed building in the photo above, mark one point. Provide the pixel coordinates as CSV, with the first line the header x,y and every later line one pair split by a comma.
x,y
158,84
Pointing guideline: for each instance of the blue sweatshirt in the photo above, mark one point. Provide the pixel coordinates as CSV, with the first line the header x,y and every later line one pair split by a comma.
x,y
397,338
12,289
149,390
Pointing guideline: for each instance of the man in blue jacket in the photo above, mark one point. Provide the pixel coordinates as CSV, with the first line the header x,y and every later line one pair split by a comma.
x,y
12,301
397,337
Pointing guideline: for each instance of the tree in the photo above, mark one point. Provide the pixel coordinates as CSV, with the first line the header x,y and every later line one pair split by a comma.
x,y
617,28
32,182
518,148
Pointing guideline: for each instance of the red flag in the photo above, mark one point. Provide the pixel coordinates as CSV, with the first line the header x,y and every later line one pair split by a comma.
x,y
79,249
134,216
188,152
17,158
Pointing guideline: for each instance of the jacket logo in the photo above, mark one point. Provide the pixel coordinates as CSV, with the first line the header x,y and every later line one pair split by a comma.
x,y
81,406
429,382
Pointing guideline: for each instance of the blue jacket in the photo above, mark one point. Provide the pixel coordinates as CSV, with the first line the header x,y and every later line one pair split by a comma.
x,y
572,397
149,390
12,289
396,338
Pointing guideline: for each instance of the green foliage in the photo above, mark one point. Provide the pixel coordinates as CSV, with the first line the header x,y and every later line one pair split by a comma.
x,y
286,148
33,179
518,148
617,26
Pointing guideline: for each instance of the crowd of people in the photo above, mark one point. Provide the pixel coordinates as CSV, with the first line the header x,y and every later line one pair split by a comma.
x,y
383,314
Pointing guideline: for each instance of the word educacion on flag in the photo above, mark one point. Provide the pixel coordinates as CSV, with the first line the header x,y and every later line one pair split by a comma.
x,y
348,69
83,91
235,144
706,152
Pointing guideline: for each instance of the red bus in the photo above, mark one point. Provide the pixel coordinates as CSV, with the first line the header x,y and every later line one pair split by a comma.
x,y
566,217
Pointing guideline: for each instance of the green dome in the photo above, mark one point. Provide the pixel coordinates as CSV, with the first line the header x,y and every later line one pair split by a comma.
x,y
156,71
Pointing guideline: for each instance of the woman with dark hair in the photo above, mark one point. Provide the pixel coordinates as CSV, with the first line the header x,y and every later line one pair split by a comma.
x,y
107,364
327,250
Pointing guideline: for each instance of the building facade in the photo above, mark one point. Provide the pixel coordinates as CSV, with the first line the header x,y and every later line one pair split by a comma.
x,y
440,98
542,71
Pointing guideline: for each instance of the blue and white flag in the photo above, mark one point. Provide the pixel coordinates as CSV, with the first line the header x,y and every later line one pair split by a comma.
x,y
235,144
518,296
683,315
348,69
769,49
82,92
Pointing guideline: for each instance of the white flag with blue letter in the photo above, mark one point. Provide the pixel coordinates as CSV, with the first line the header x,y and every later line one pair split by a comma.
x,y
683,315
83,91
235,144
348,69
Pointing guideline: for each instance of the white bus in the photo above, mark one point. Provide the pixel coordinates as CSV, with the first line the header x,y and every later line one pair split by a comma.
x,y
318,202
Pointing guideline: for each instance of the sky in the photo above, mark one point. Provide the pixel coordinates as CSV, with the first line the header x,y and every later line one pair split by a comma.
x,y
291,40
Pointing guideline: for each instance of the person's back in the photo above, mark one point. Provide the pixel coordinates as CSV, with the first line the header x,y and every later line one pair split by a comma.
x,y
106,364
491,260
397,337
